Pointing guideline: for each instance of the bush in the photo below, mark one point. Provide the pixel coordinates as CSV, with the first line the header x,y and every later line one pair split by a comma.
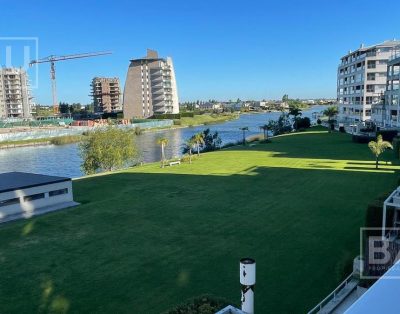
x,y
200,305
177,122
138,130
302,123
266,141
387,135
167,116
319,121
363,139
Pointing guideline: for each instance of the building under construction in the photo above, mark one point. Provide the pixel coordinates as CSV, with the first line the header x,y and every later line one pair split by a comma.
x,y
15,99
106,94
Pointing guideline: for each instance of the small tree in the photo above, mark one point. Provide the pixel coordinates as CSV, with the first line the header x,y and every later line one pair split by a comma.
x,y
378,147
190,143
330,112
163,142
106,150
198,138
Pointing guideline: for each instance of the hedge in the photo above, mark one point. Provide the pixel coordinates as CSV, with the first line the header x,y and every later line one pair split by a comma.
x,y
205,304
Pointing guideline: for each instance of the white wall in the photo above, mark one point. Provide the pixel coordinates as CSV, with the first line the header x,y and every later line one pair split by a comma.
x,y
28,207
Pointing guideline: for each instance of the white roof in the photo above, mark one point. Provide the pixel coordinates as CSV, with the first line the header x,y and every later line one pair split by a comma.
x,y
382,297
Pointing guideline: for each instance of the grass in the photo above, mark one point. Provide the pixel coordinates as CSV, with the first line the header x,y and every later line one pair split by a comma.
x,y
146,239
207,119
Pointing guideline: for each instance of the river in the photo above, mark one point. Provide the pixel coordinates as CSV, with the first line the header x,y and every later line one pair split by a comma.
x,y
65,160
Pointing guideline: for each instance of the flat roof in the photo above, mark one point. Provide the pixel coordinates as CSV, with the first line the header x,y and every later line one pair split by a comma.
x,y
382,297
10,181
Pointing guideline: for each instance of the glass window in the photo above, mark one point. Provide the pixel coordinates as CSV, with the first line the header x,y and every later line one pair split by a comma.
x,y
33,197
8,202
58,192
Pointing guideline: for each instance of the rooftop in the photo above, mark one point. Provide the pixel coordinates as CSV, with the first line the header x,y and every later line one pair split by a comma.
x,y
10,181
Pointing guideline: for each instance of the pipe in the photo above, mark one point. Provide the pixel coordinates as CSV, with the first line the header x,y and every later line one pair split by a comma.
x,y
247,271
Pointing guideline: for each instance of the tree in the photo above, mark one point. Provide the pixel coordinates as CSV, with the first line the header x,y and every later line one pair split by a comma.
x,y
107,150
163,142
295,111
330,112
285,98
378,147
244,129
190,143
199,140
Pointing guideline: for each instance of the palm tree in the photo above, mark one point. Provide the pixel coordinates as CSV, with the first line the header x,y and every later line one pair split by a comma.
x,y
265,129
244,129
378,148
198,138
190,143
330,112
163,142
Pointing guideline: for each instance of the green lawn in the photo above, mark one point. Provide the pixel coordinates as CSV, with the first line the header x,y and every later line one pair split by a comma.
x,y
147,239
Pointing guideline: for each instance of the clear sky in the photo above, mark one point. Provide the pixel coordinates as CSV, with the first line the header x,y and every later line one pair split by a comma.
x,y
221,49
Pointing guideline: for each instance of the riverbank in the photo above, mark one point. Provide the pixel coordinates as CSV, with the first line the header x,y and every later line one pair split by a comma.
x,y
276,202
59,140
197,120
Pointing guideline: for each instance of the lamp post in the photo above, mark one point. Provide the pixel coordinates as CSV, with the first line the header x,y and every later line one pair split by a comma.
x,y
244,129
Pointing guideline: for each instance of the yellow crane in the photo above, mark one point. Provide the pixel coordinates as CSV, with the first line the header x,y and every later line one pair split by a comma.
x,y
53,59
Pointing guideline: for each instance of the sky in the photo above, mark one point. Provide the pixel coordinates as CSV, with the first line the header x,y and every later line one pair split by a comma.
x,y
221,49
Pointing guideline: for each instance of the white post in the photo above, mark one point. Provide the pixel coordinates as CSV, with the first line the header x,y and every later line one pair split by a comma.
x,y
384,221
247,281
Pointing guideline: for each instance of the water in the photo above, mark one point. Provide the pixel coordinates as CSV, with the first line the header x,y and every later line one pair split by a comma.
x,y
65,160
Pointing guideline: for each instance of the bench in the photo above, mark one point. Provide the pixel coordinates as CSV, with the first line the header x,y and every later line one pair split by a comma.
x,y
172,163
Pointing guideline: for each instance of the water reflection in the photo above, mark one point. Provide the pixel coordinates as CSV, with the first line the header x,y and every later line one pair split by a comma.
x,y
65,160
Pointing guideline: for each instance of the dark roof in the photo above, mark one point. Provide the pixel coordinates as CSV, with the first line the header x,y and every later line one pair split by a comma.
x,y
10,181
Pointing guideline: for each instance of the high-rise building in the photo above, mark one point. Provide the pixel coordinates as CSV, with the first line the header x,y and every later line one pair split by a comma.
x,y
106,94
361,81
150,87
15,99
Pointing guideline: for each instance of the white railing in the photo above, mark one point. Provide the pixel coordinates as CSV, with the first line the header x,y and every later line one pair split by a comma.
x,y
331,296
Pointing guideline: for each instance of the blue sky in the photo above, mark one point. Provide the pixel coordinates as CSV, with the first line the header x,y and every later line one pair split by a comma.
x,y
221,49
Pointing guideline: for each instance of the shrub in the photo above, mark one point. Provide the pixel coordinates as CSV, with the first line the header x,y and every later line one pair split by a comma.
x,y
364,139
200,305
266,141
302,123
387,135
138,130
319,121
177,122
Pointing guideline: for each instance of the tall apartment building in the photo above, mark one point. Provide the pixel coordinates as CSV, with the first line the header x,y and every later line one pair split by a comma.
x,y
150,87
15,99
361,81
388,112
106,94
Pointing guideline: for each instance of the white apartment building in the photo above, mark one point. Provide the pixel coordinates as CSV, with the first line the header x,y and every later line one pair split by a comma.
x,y
150,87
15,99
388,112
361,81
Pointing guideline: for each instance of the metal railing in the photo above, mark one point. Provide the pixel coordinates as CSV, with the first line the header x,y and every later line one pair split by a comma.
x,y
331,296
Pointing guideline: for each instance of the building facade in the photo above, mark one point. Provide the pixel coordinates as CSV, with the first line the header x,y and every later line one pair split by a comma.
x,y
15,98
387,114
361,81
106,94
150,87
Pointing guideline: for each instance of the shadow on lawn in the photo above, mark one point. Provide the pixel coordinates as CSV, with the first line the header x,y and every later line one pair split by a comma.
x,y
148,228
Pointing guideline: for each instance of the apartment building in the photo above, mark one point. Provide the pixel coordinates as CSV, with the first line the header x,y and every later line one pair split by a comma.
x,y
150,87
15,99
106,94
387,113
361,81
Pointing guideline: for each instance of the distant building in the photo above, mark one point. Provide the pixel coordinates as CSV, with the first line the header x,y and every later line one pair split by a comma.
x,y
15,99
361,79
150,87
23,195
106,94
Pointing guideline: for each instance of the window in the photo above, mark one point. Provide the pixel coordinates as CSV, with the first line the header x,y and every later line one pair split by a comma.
x,y
8,202
58,192
33,197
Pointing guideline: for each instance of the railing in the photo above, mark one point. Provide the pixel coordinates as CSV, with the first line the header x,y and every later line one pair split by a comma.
x,y
332,295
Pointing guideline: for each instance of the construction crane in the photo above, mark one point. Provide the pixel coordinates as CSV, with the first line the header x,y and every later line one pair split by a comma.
x,y
53,59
